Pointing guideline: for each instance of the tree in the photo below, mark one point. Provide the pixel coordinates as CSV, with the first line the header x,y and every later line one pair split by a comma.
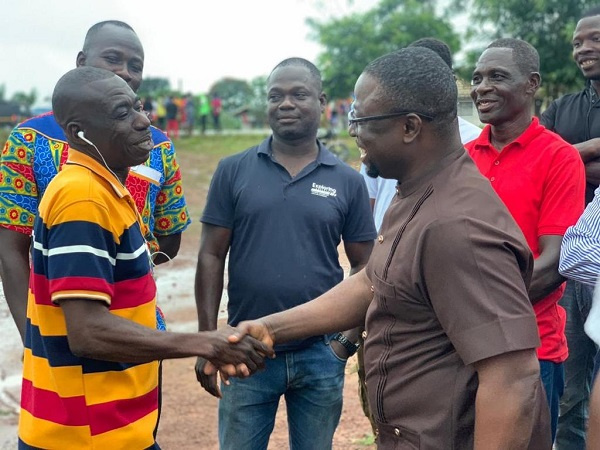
x,y
351,42
258,100
154,86
546,24
25,100
234,93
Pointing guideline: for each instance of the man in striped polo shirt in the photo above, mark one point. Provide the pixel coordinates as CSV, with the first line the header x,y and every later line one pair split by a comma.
x,y
90,370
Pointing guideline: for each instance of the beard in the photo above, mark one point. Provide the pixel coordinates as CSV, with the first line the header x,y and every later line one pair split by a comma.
x,y
372,170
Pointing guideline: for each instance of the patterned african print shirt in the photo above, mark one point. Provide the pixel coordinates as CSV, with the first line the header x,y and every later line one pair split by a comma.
x,y
87,244
37,148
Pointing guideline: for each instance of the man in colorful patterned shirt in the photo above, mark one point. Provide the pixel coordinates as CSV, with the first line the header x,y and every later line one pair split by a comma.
x,y
90,369
37,148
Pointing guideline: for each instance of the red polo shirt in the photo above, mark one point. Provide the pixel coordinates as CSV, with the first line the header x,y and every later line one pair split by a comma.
x,y
541,180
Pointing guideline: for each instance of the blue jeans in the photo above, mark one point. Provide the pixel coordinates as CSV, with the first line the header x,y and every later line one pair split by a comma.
x,y
577,301
553,379
311,380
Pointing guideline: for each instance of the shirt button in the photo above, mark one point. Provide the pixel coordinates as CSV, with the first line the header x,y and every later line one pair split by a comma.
x,y
493,179
496,163
364,334
380,238
396,431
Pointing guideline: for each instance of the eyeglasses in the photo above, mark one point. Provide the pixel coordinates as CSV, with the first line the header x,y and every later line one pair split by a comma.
x,y
356,120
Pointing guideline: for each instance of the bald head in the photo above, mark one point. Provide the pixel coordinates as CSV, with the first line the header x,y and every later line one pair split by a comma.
x,y
71,93
95,30
99,103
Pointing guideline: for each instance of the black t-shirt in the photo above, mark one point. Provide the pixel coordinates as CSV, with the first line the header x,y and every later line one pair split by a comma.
x,y
576,118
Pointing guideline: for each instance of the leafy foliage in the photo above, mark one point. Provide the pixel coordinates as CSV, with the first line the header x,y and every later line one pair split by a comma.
x,y
258,102
546,24
24,99
351,42
154,86
234,93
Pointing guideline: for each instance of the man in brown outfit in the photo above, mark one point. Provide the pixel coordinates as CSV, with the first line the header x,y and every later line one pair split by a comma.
x,y
451,334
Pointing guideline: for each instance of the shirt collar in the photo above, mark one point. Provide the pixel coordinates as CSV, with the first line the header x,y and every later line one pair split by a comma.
x,y
81,159
409,187
324,157
531,132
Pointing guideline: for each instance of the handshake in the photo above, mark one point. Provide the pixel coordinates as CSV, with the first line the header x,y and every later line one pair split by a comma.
x,y
236,352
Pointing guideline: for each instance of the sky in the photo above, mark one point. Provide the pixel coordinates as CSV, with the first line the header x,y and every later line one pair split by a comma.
x,y
193,44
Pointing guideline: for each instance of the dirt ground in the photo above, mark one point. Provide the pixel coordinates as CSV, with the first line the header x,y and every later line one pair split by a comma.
x,y
189,418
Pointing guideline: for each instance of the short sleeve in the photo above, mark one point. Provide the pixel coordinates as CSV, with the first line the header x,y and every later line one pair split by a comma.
x,y
359,225
219,209
548,117
18,188
475,276
171,215
564,192
80,254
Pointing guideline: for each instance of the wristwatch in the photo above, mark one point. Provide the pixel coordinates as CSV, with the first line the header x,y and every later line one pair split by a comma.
x,y
350,347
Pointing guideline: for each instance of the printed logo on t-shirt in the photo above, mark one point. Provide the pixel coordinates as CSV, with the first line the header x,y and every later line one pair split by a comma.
x,y
323,191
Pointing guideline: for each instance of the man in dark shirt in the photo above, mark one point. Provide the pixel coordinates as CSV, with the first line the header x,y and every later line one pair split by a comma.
x,y
281,209
576,118
451,334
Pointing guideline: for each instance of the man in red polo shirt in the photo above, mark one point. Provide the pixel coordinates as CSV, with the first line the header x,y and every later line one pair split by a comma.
x,y
538,176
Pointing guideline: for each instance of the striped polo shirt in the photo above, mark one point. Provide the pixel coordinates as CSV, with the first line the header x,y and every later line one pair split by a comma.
x,y
88,243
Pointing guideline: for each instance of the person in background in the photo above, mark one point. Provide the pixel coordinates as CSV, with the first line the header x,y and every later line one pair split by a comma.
x,y
149,108
172,111
37,148
576,118
281,210
203,111
541,180
161,113
190,114
216,106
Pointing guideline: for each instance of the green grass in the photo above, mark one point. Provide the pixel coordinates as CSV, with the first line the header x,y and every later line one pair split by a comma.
x,y
217,146
365,441
224,145
220,146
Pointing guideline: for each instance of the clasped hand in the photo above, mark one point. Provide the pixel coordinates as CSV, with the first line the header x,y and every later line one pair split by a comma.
x,y
239,353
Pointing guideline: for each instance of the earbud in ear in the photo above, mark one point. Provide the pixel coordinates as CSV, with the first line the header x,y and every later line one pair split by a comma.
x,y
81,135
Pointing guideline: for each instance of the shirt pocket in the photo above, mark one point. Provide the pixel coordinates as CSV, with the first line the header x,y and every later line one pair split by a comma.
x,y
396,437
